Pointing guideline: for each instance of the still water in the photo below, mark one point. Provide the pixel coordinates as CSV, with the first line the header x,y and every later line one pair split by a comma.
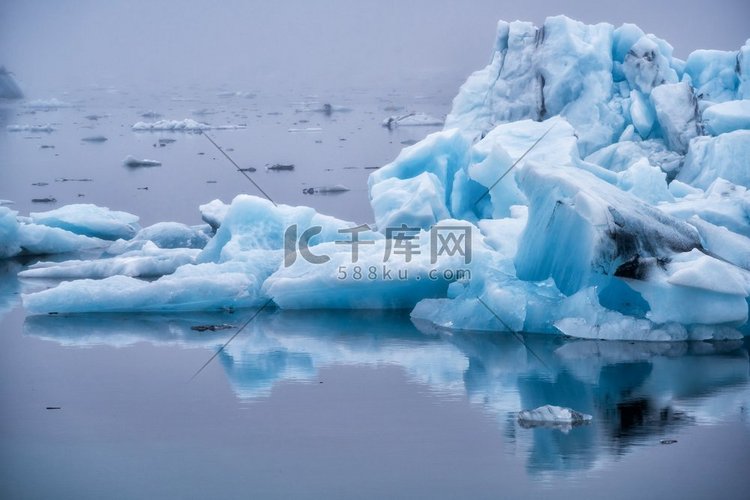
x,y
318,404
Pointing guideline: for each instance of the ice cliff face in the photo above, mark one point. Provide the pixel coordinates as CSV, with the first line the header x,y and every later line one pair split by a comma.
x,y
600,183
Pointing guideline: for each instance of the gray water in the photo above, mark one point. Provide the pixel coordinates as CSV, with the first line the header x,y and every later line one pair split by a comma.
x,y
319,404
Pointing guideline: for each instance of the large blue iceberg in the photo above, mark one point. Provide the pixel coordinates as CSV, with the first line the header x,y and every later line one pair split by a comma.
x,y
586,182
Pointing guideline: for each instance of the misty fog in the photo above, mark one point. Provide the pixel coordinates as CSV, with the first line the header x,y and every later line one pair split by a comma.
x,y
306,46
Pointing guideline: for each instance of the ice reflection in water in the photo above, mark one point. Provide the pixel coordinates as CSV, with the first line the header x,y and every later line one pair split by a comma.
x,y
638,393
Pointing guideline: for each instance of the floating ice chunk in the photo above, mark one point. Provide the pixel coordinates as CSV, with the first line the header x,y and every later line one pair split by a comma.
x,y
95,138
35,239
549,414
581,229
213,213
131,161
727,116
335,189
19,238
90,220
31,128
677,113
724,156
306,129
47,104
412,120
186,125
201,287
9,89
151,261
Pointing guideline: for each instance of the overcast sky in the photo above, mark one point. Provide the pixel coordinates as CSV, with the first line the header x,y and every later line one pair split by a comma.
x,y
57,44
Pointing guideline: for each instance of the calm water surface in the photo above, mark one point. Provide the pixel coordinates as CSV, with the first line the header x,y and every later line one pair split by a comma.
x,y
319,404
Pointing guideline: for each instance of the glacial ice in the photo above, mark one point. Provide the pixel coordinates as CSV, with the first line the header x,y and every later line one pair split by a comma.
x,y
602,181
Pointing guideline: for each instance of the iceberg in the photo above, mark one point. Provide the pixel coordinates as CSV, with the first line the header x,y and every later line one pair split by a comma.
x,y
9,89
591,184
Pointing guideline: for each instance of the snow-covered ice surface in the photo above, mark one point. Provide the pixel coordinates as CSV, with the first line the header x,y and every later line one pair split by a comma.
x,y
597,183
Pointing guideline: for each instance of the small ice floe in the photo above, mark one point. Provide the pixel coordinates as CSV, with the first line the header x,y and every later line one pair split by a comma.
x,y
95,117
186,125
47,104
131,161
67,179
7,202
31,128
94,138
338,188
47,199
552,416
238,93
307,129
326,108
281,166
412,120
166,140
151,115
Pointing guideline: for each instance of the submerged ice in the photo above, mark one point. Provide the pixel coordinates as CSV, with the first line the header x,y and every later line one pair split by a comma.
x,y
600,183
